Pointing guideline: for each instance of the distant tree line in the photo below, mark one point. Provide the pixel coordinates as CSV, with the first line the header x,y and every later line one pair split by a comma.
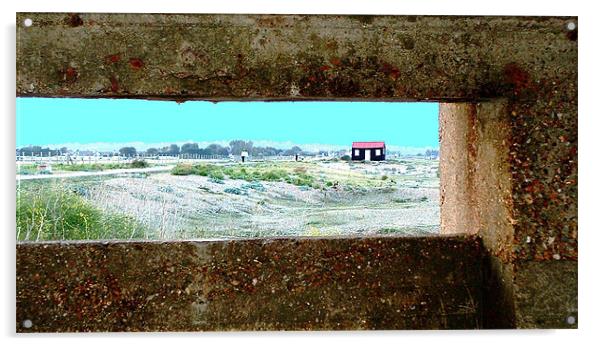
x,y
236,147
37,150
432,153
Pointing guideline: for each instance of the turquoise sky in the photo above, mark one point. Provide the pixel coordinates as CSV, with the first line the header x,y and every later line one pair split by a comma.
x,y
46,121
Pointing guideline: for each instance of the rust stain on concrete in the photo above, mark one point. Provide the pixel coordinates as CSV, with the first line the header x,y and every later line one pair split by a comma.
x,y
262,284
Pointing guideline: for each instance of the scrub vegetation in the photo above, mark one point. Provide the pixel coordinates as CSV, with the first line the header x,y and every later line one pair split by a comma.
x,y
227,199
29,169
263,172
52,211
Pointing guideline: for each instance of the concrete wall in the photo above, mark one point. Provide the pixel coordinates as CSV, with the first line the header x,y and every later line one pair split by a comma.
x,y
278,284
530,229
476,194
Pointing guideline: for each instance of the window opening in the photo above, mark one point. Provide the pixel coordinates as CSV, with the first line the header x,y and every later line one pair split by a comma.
x,y
137,169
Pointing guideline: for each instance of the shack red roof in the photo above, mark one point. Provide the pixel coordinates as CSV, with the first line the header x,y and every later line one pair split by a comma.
x,y
368,145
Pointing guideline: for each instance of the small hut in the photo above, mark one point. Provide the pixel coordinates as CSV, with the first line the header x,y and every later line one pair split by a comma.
x,y
244,155
368,151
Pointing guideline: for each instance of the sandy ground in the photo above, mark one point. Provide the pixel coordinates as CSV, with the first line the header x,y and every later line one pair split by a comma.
x,y
81,174
197,207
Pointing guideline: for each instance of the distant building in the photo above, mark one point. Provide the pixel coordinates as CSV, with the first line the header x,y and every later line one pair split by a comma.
x,y
45,169
107,153
368,151
85,153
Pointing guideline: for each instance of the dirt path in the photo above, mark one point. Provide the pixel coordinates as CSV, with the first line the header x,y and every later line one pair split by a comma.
x,y
63,175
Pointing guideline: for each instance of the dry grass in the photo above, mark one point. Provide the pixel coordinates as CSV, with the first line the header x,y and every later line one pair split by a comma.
x,y
264,200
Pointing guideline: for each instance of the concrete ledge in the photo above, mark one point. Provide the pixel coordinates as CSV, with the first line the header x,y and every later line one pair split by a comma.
x,y
276,284
221,57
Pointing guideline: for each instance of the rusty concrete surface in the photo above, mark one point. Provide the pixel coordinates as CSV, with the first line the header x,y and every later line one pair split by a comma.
x,y
275,284
456,165
542,302
476,195
529,62
265,57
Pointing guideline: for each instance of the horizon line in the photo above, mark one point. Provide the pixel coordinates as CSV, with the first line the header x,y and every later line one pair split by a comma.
x,y
140,145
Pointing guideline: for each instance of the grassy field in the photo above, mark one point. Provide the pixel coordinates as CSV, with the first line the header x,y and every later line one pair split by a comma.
x,y
233,200
55,211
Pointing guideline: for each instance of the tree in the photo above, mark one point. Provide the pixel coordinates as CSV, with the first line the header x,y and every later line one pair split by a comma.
x,y
152,151
265,151
172,150
27,151
293,151
190,148
431,153
238,146
35,150
127,151
216,149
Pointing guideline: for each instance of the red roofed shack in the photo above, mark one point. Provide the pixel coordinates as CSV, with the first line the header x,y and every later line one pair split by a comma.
x,y
368,151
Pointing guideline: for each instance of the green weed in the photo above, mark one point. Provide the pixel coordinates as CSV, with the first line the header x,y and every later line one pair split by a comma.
x,y
53,212
261,173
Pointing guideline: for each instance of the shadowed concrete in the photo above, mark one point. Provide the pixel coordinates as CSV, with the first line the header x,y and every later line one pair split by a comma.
x,y
277,284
